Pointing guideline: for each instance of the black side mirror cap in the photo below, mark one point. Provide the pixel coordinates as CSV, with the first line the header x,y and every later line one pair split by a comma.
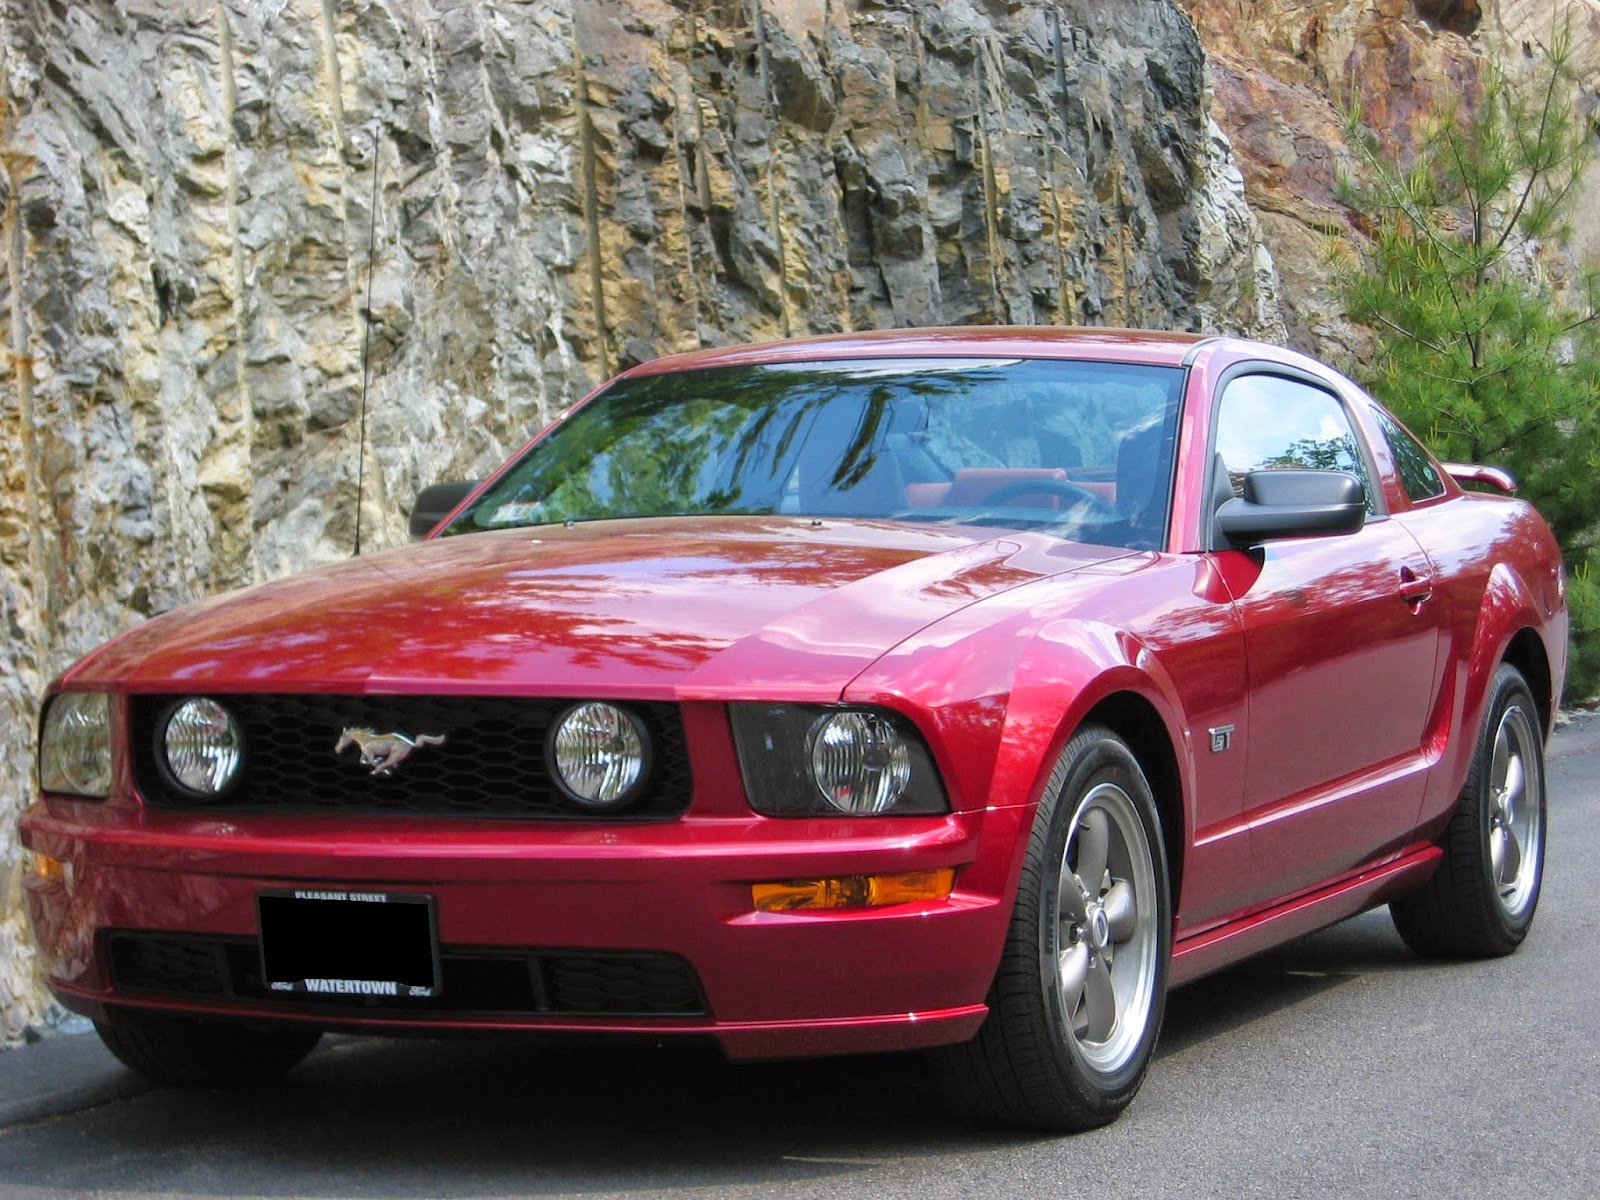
x,y
1292,504
436,503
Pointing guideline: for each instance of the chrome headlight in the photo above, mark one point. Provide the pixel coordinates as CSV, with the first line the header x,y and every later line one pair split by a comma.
x,y
201,746
75,745
600,755
806,760
860,761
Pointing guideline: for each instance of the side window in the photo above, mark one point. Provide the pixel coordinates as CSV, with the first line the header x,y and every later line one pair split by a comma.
x,y
1267,422
1418,475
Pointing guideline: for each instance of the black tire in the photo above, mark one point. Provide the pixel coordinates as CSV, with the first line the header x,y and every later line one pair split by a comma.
x,y
1473,906
1035,1062
183,1052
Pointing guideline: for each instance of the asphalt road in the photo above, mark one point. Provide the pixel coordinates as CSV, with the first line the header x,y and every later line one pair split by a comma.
x,y
1338,1066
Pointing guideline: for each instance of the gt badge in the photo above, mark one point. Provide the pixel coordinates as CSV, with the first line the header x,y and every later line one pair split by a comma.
x,y
1221,738
383,752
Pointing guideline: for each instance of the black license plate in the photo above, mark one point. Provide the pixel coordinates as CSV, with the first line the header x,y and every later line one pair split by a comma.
x,y
349,944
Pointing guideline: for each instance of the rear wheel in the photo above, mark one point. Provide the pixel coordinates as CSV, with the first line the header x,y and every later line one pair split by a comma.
x,y
1076,1005
1480,902
188,1053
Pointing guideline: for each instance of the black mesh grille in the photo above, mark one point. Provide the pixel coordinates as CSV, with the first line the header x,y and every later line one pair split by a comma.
x,y
491,764
616,985
184,966
534,983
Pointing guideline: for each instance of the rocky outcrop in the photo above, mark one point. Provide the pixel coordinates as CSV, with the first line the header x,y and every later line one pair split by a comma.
x,y
547,191
1286,72
1517,35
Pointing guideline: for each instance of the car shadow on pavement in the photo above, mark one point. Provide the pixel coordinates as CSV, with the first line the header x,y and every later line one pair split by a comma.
x,y
413,1116
1290,975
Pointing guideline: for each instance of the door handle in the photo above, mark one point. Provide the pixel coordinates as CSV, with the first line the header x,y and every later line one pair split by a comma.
x,y
1415,589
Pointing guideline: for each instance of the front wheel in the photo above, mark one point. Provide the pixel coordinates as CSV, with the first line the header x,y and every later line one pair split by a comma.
x,y
1481,900
1076,1005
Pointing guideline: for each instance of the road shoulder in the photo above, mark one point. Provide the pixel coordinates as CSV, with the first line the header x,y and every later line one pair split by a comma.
x,y
61,1075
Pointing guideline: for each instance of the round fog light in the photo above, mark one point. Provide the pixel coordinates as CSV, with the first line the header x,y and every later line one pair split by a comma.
x,y
202,744
598,753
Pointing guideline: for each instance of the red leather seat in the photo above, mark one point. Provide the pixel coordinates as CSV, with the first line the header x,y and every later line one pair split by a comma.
x,y
974,486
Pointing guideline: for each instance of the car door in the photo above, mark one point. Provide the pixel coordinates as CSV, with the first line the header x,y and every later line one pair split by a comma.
x,y
1341,639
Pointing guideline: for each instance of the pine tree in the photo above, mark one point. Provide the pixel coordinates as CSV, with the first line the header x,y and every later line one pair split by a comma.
x,y
1478,351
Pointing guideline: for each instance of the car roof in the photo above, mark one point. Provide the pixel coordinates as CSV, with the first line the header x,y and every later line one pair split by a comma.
x,y
1139,346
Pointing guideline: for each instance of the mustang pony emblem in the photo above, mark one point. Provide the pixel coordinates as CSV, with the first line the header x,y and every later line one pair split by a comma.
x,y
383,752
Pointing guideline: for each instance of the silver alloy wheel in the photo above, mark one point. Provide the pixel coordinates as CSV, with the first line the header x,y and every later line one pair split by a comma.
x,y
1105,939
1516,814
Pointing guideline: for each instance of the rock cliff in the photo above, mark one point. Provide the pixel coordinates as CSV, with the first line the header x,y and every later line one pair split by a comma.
x,y
1285,71
213,209
546,192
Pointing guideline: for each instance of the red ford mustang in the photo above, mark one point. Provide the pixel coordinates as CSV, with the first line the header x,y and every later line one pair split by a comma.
x,y
962,689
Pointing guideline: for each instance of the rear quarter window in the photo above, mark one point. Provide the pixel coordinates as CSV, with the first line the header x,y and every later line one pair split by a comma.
x,y
1418,475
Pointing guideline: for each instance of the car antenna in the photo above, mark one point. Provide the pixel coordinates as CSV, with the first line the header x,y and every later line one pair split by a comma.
x,y
366,340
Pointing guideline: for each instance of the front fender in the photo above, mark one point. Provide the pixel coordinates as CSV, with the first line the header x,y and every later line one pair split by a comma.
x,y
1000,687
999,702
1070,668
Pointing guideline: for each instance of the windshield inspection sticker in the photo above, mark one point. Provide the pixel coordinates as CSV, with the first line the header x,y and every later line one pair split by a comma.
x,y
516,513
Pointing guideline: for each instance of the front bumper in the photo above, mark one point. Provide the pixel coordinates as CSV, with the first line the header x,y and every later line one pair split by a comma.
x,y
773,984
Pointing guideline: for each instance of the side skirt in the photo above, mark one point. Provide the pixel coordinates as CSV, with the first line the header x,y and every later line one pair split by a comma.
x,y
1223,945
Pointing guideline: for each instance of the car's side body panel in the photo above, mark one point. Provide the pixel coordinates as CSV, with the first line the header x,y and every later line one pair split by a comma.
x,y
1232,941
1341,671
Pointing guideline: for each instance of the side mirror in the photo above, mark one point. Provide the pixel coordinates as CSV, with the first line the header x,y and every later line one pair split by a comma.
x,y
1292,504
436,503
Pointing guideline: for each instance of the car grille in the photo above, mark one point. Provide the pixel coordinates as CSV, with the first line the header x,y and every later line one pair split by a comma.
x,y
180,966
492,762
528,983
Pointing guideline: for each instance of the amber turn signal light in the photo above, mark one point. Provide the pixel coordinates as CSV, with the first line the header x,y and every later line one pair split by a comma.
x,y
52,869
854,891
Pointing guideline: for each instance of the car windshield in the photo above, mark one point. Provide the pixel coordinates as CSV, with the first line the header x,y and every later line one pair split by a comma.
x,y
1081,449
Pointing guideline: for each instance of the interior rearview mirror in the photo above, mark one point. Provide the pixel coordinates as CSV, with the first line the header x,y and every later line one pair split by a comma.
x,y
436,503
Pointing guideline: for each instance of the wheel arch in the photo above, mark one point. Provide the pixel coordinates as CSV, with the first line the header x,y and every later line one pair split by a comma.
x,y
1082,673
1509,628
1134,719
1526,652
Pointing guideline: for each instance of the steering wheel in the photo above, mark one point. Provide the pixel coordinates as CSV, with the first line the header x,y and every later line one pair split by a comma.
x,y
1051,487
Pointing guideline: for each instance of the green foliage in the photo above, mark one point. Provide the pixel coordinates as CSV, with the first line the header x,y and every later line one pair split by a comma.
x,y
1583,602
1478,353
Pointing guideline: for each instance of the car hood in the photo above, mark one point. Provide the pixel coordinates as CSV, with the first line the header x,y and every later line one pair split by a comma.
x,y
785,608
